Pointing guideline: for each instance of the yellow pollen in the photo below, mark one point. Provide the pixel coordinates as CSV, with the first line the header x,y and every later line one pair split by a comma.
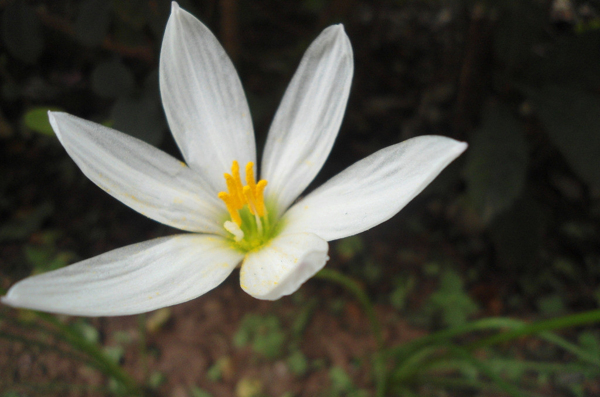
x,y
238,195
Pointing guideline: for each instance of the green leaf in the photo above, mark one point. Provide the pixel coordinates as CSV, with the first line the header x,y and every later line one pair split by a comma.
x,y
93,22
112,79
452,301
156,380
114,353
517,234
340,380
349,247
522,25
496,162
87,331
572,119
21,31
551,305
263,333
36,119
25,222
195,391
297,363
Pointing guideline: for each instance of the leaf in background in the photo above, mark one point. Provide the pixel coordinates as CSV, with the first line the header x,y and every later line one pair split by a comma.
x,y
522,25
496,162
93,22
517,235
21,31
139,117
112,79
573,60
86,330
454,304
25,222
572,119
36,119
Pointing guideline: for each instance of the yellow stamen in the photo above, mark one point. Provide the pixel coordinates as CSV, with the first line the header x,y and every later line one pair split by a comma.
x,y
237,195
230,204
238,202
260,197
235,172
250,181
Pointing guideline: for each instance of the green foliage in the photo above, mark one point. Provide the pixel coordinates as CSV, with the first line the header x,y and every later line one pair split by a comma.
x,y
215,372
517,234
297,363
263,333
496,162
551,304
340,380
571,118
88,332
114,353
156,379
36,119
45,256
349,247
522,25
23,224
198,392
342,385
451,301
404,286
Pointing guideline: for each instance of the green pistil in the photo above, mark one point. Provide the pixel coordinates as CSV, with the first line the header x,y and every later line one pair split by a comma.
x,y
254,237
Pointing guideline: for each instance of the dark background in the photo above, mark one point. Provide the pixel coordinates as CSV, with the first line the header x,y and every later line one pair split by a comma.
x,y
511,228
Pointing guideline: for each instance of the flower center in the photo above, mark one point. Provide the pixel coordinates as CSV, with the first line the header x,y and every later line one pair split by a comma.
x,y
249,226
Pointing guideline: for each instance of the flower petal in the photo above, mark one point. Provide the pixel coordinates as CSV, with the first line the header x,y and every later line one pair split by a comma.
x,y
203,99
309,117
129,280
141,176
282,266
372,190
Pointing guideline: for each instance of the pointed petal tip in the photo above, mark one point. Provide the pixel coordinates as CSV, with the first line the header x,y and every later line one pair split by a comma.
x,y
7,300
337,29
53,123
461,147
174,7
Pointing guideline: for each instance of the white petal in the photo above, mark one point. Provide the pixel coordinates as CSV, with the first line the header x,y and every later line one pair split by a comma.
x,y
134,279
203,99
372,190
141,176
282,266
309,117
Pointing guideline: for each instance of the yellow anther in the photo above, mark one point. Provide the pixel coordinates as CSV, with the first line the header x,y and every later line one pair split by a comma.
x,y
233,211
250,181
235,173
238,201
260,197
237,195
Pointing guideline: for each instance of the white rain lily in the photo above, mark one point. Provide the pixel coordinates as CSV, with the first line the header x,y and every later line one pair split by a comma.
x,y
234,220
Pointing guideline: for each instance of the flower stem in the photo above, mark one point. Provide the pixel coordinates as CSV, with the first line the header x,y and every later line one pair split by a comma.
x,y
351,285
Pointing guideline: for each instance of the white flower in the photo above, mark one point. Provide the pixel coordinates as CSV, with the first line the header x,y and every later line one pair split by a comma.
x,y
278,243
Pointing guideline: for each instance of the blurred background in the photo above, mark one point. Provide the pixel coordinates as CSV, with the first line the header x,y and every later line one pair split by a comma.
x,y
509,229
